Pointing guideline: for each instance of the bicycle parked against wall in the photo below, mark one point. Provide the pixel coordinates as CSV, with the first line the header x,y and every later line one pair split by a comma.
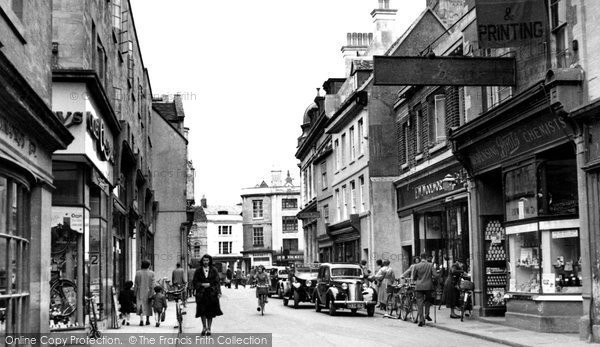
x,y
94,332
466,296
394,301
63,300
408,302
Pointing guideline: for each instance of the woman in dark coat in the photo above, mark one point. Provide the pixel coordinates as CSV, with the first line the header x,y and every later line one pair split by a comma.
x,y
208,292
451,294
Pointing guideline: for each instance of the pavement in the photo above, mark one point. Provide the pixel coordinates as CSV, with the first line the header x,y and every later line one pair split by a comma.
x,y
488,329
493,329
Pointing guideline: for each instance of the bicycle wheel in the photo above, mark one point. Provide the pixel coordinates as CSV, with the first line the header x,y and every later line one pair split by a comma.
x,y
179,318
397,305
389,303
63,294
405,310
464,305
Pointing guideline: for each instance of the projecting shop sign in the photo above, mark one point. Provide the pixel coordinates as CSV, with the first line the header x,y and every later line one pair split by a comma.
x,y
510,23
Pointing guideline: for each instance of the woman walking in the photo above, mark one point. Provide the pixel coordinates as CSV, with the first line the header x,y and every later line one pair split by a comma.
x,y
262,279
451,293
208,292
144,289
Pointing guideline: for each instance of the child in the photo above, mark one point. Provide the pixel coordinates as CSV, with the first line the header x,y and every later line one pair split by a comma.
x,y
127,302
159,304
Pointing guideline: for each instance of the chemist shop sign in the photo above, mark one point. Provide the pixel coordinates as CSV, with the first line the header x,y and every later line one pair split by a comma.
x,y
510,23
533,134
431,186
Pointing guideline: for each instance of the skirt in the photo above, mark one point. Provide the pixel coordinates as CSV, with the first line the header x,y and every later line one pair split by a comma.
x,y
207,303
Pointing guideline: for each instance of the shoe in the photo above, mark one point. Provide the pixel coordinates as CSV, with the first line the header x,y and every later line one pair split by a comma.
x,y
157,325
454,316
127,323
467,314
147,322
141,324
208,333
203,332
428,318
123,322
421,324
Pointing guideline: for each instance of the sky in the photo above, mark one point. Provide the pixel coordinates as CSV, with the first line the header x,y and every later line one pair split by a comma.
x,y
247,70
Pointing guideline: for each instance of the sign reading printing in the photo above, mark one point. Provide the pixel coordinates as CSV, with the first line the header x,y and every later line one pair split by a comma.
x,y
510,23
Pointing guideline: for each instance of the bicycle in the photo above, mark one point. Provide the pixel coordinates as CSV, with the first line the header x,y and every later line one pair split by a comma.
x,y
466,295
93,318
394,301
409,302
179,311
262,291
63,299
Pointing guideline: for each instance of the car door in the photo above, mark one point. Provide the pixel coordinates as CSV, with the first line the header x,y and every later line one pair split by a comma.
x,y
322,283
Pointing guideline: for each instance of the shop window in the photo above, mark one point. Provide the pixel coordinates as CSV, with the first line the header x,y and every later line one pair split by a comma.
x,y
566,262
524,249
68,180
14,256
558,187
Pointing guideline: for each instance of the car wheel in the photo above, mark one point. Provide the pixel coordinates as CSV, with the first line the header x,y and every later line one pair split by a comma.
x,y
354,310
285,301
332,308
371,310
317,304
296,299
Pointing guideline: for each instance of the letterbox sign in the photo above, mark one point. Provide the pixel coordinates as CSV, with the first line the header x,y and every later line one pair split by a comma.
x,y
96,128
430,187
510,23
532,134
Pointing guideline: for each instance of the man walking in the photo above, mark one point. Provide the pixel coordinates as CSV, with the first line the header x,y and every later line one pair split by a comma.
x,y
178,281
238,278
423,274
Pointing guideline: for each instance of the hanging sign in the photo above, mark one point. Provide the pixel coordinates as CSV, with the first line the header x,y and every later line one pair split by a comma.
x,y
510,23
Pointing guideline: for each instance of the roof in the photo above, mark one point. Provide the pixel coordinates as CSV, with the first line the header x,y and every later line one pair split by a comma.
x,y
232,210
167,110
199,215
362,65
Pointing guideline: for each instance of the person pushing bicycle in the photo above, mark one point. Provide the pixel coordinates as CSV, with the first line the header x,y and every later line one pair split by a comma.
x,y
261,279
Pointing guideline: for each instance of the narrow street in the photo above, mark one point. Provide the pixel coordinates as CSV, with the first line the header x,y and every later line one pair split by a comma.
x,y
304,327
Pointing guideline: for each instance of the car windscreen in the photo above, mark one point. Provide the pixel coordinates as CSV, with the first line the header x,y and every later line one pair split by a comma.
x,y
346,272
283,272
306,270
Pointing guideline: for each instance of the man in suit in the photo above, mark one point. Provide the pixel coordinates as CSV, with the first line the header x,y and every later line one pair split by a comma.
x,y
423,274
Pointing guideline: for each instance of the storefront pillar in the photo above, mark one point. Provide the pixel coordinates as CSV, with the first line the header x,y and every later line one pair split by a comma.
x,y
41,218
587,244
477,248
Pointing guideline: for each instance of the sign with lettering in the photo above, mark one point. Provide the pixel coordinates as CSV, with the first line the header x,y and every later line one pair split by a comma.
x,y
521,209
70,118
96,129
532,134
510,23
431,186
444,71
15,137
71,216
309,215
563,234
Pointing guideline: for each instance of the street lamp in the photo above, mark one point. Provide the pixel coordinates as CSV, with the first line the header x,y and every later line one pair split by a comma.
x,y
448,183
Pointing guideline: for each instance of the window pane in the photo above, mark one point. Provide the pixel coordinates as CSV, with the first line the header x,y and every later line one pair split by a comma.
x,y
12,196
566,261
3,204
69,189
4,277
525,263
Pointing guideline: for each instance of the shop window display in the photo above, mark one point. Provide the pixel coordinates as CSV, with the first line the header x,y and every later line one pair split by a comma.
x,y
495,261
566,262
525,263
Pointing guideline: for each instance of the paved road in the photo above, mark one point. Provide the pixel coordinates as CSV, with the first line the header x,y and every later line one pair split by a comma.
x,y
305,327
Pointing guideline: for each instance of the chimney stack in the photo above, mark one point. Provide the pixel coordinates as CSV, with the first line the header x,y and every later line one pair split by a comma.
x,y
356,46
383,18
203,202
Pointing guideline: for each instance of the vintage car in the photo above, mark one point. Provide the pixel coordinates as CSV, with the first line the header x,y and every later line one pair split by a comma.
x,y
301,286
341,286
278,275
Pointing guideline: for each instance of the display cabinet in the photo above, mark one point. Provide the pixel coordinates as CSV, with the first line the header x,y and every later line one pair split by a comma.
x,y
496,275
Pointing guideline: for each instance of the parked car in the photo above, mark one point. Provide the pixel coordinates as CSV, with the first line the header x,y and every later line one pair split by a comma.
x,y
278,274
302,285
341,286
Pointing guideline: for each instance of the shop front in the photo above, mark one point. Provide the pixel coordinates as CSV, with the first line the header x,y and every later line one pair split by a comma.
x,y
325,248
433,212
522,159
345,237
29,134
82,238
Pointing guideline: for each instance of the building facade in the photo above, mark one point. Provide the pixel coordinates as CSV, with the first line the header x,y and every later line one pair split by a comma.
x,y
273,234
29,134
224,236
172,168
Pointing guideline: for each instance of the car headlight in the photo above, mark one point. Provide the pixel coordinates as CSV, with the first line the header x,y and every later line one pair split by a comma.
x,y
308,283
344,286
296,284
365,286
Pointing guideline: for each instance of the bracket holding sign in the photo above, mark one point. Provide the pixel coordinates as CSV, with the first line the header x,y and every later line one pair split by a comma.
x,y
444,71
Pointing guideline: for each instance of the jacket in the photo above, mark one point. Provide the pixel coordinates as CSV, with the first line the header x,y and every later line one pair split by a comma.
x,y
423,274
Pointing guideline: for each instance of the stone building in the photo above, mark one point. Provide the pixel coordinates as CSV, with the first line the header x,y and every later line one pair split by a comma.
x,y
172,168
29,134
273,235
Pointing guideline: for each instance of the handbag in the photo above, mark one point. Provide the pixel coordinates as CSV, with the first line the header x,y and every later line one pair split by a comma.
x,y
162,316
